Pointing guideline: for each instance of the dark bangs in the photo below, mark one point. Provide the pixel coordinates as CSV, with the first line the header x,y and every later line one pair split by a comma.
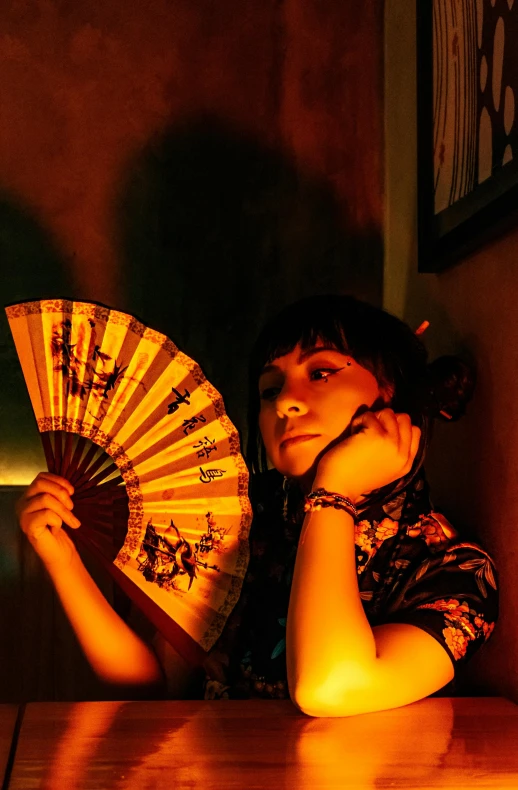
x,y
378,341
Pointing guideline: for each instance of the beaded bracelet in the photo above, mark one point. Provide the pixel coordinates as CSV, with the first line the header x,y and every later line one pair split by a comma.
x,y
321,498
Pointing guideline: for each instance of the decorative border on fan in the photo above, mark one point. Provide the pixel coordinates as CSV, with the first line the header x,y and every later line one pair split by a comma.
x,y
98,312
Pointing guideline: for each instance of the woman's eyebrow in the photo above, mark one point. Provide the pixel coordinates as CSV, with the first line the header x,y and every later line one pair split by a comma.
x,y
309,352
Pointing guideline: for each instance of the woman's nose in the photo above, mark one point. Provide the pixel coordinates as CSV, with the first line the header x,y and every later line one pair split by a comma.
x,y
290,401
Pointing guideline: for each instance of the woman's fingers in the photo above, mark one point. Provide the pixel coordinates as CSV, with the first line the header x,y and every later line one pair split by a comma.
x,y
48,502
42,510
370,420
414,444
43,519
48,478
61,481
388,420
409,436
405,433
50,484
397,427
380,448
411,448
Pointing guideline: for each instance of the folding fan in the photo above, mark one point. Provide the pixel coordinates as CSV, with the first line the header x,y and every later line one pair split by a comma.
x,y
160,484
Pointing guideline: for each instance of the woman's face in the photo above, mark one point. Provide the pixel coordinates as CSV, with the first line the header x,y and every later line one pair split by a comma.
x,y
308,398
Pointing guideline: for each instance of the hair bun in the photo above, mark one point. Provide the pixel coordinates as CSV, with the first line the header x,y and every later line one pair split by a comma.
x,y
451,384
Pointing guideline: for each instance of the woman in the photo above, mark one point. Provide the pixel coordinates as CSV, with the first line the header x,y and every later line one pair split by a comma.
x,y
358,596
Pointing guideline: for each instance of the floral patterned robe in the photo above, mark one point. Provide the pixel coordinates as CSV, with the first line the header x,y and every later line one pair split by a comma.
x,y
413,567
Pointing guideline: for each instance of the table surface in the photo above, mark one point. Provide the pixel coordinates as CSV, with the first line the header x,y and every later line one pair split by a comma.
x,y
435,743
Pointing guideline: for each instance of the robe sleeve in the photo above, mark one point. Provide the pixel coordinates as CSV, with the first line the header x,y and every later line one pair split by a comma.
x,y
452,594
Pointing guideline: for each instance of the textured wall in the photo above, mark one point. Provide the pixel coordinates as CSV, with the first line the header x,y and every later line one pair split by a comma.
x,y
473,464
199,164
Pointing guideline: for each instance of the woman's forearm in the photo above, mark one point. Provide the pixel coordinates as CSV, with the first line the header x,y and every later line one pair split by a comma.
x,y
114,651
328,635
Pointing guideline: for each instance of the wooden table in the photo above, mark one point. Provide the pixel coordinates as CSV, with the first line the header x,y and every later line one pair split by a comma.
x,y
8,715
434,743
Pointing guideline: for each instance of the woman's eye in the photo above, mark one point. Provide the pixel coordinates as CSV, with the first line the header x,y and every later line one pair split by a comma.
x,y
322,374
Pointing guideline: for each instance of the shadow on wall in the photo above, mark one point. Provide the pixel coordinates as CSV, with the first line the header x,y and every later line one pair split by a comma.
x,y
31,267
218,232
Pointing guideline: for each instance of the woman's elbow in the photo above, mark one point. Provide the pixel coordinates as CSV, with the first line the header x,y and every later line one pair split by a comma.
x,y
339,693
317,702
133,686
139,669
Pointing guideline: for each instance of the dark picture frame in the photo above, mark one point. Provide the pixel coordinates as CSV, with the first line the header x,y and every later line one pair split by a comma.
x,y
467,116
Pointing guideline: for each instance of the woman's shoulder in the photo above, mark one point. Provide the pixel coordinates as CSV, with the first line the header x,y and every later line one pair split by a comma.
x,y
444,541
429,547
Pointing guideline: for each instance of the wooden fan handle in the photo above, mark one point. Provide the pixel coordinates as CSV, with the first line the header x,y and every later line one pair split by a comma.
x,y
49,452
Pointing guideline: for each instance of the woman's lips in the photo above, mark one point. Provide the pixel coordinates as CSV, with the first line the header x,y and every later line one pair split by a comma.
x,y
303,437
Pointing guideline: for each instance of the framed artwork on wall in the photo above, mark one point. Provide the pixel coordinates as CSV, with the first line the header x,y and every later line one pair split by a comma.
x,y
467,81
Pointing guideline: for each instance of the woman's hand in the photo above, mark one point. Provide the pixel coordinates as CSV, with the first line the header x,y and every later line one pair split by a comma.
x,y
41,511
380,449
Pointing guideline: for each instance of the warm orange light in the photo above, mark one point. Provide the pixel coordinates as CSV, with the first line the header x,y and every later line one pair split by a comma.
x,y
20,475
422,328
86,725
